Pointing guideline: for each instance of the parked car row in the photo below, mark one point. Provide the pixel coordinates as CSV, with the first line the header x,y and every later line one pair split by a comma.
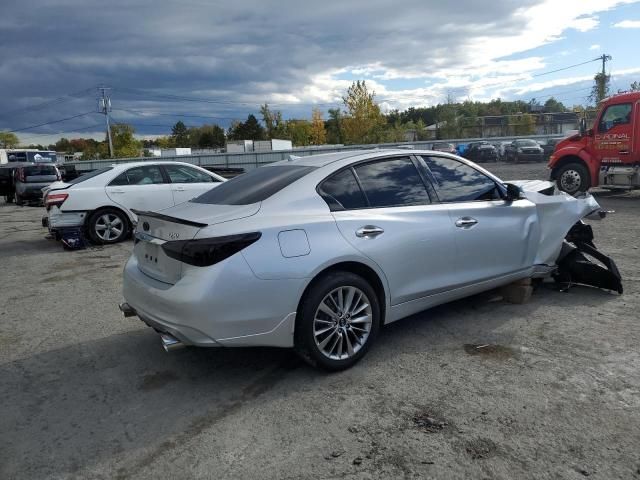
x,y
23,182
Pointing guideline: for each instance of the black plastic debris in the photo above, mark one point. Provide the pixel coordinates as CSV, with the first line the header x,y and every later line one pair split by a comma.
x,y
576,265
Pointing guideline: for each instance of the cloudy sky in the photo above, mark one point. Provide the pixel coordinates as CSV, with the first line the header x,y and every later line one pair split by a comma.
x,y
207,61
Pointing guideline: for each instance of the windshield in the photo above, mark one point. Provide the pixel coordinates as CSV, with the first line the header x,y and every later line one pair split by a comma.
x,y
255,186
39,170
526,143
89,175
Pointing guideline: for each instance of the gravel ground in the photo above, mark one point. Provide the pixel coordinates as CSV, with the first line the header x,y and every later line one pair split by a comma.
x,y
85,393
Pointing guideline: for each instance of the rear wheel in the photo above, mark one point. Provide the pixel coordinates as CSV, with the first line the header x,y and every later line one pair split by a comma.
x,y
573,178
108,226
338,321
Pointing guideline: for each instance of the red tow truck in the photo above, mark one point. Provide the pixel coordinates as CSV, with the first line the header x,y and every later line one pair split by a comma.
x,y
607,155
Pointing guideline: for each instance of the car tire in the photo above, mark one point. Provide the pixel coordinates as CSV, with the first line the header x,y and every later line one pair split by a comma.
x,y
573,178
332,337
107,226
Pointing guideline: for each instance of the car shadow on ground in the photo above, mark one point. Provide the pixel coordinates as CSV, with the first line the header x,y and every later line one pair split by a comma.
x,y
80,405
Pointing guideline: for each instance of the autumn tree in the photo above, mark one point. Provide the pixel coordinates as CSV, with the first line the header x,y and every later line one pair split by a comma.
x,y
318,133
300,132
364,122
124,143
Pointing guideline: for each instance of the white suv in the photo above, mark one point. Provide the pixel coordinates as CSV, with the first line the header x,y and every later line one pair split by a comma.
x,y
103,201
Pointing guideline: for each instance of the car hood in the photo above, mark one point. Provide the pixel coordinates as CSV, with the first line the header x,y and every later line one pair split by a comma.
x,y
557,213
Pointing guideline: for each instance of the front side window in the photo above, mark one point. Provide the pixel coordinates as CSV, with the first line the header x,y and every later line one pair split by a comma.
x,y
393,182
615,115
184,174
458,182
342,192
143,175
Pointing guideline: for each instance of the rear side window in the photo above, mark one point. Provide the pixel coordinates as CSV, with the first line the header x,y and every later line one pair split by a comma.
x,y
458,182
144,175
342,192
87,176
393,182
254,186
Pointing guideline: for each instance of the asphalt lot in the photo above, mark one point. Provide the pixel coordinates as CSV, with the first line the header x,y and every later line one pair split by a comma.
x,y
85,393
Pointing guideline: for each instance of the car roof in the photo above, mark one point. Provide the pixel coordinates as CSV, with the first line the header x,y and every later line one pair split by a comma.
x,y
122,166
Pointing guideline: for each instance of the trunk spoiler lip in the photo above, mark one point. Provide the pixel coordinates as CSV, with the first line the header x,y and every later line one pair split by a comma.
x,y
169,218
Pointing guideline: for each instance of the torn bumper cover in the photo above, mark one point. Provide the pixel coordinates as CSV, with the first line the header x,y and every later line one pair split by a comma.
x,y
575,267
566,241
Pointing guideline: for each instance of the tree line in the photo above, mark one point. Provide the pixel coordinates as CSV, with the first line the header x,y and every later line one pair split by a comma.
x,y
360,121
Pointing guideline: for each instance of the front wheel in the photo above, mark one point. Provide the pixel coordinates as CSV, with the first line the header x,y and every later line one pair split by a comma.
x,y
338,321
573,178
108,226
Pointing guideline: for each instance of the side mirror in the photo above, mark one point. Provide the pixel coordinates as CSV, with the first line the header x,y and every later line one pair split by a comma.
x,y
513,192
583,126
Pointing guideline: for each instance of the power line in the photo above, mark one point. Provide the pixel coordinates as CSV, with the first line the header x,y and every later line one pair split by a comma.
x,y
39,106
188,115
38,135
51,122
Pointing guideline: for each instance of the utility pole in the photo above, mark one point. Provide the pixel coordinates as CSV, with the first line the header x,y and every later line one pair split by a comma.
x,y
104,105
603,80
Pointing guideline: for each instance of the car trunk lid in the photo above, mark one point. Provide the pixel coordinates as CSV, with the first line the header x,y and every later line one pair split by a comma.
x,y
178,223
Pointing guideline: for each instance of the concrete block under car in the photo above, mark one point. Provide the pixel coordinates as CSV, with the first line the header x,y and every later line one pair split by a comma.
x,y
518,292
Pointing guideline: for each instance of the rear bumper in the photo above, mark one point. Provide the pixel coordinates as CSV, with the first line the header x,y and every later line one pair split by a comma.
x,y
58,219
222,305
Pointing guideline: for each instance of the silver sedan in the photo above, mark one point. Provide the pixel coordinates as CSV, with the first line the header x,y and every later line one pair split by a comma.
x,y
318,253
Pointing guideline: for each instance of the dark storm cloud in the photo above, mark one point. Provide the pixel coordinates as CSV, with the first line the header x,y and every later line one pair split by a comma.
x,y
244,51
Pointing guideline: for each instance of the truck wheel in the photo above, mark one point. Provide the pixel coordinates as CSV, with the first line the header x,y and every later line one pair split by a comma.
x,y
573,178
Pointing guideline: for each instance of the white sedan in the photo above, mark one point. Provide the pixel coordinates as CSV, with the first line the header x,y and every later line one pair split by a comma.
x,y
103,201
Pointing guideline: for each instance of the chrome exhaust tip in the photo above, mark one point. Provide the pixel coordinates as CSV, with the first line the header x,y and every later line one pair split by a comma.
x,y
127,310
170,343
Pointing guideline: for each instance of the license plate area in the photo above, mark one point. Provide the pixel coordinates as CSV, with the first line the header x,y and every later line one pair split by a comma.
x,y
154,262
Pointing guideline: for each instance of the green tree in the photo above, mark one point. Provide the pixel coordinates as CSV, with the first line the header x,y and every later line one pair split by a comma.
x,y
124,143
318,132
180,135
554,106
211,136
248,130
300,132
268,120
334,126
364,122
8,140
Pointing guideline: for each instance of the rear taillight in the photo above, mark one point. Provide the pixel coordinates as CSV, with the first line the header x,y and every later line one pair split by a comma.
x,y
55,199
209,251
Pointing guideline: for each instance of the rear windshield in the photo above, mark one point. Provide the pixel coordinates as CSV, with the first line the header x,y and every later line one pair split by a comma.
x,y
527,143
40,170
89,175
254,186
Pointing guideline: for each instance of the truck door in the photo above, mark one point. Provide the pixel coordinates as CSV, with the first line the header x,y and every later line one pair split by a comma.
x,y
614,135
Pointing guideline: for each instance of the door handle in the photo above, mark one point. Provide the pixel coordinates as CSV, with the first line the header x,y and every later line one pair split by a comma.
x,y
116,191
178,189
369,231
466,222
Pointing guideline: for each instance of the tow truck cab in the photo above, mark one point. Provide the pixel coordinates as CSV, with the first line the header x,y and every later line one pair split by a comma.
x,y
607,155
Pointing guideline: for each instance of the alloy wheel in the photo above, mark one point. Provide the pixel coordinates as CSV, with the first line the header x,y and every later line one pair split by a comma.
x,y
342,322
109,227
